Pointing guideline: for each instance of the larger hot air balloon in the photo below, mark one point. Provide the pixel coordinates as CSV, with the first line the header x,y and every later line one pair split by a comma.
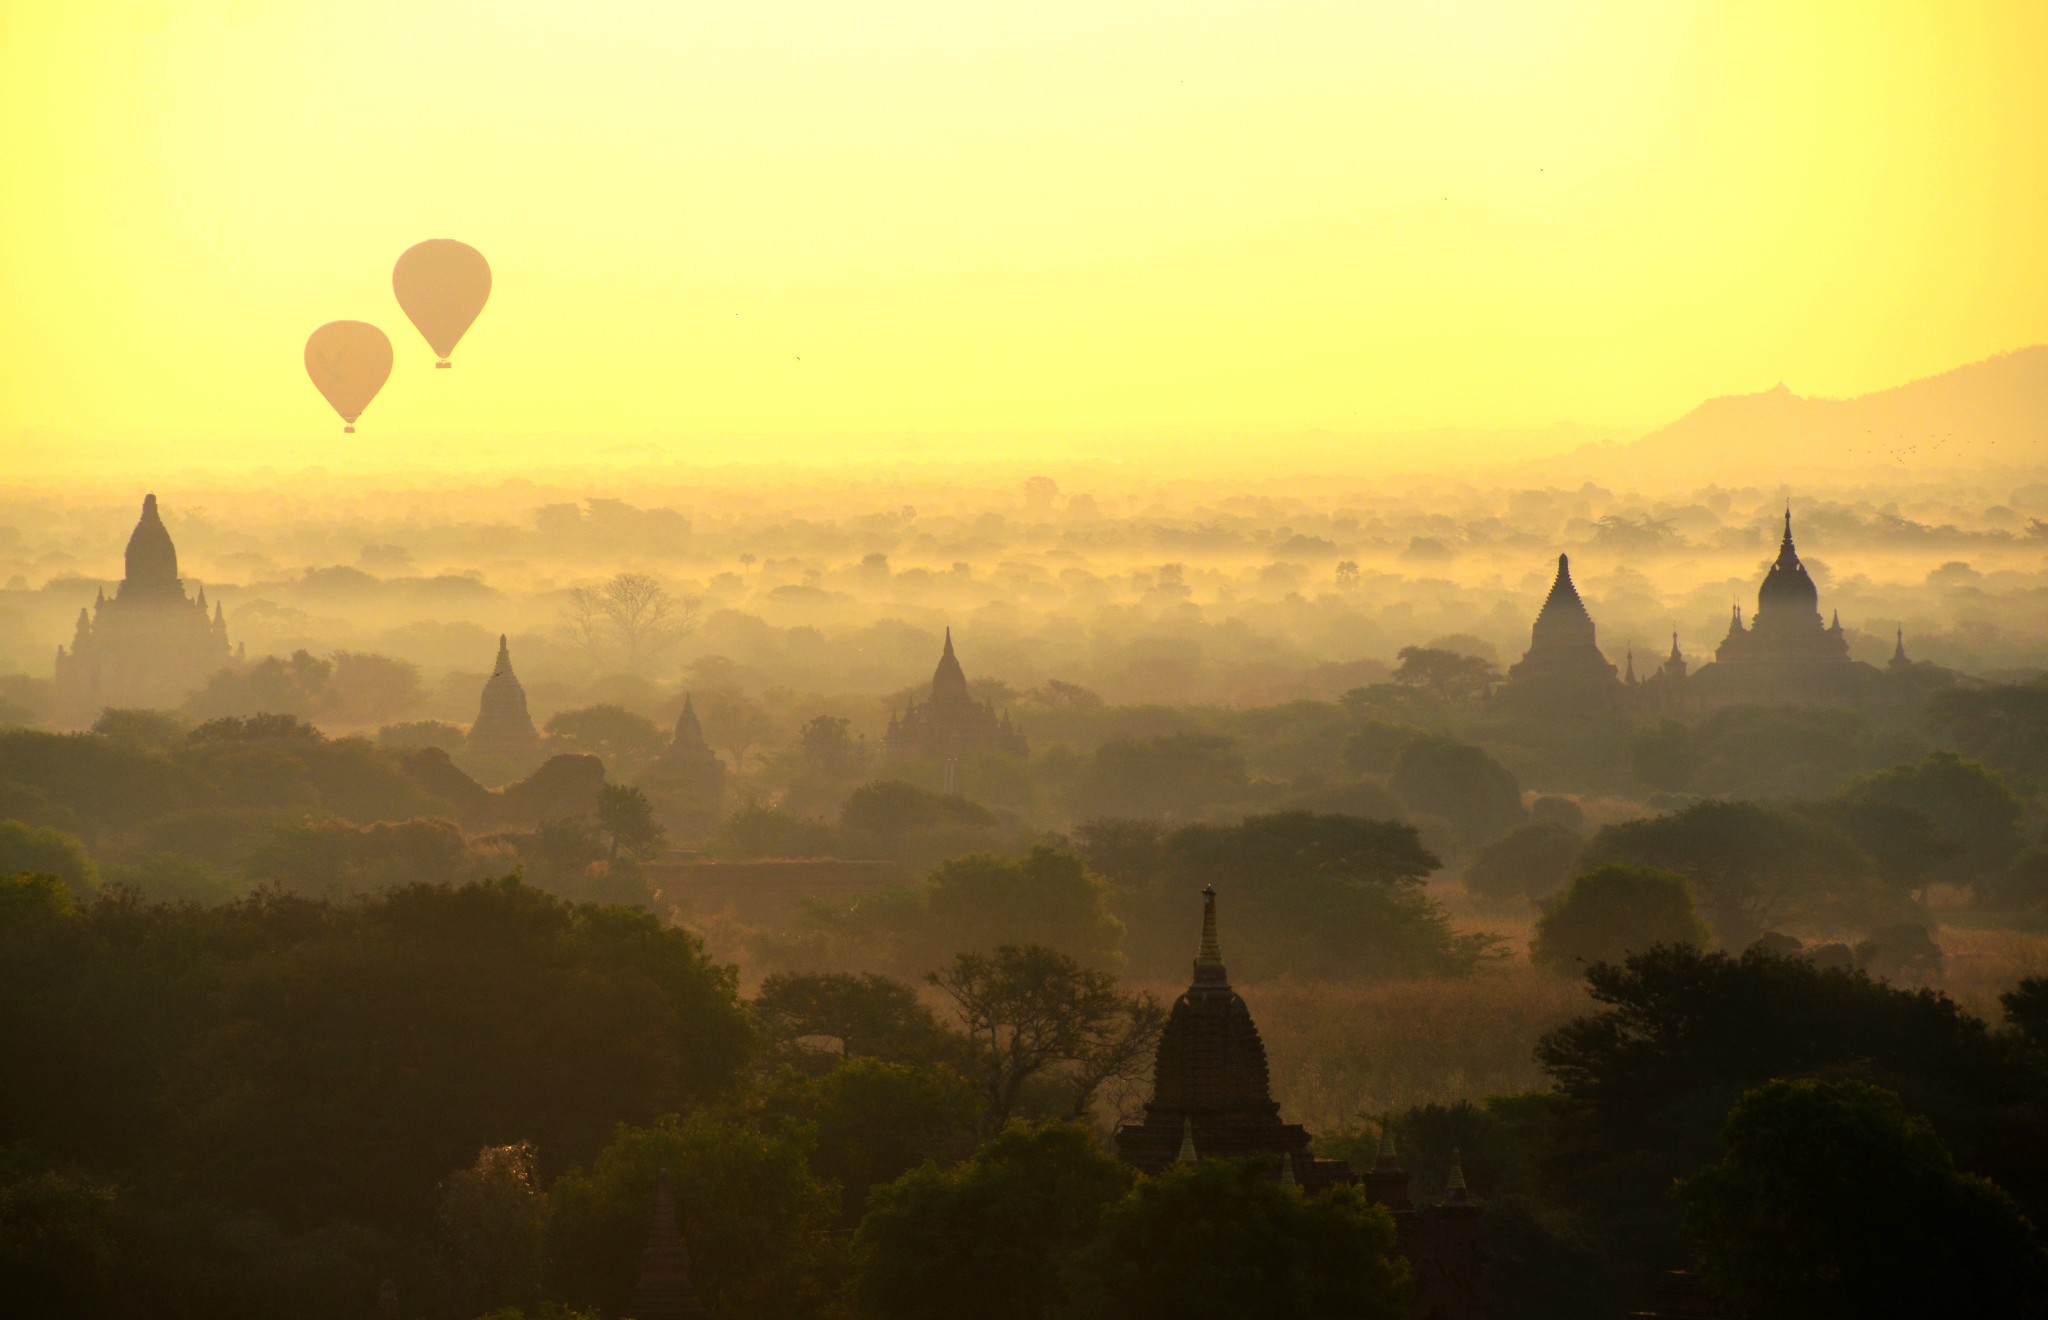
x,y
349,362
442,285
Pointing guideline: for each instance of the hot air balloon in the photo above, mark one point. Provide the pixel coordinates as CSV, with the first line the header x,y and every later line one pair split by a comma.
x,y
442,285
349,362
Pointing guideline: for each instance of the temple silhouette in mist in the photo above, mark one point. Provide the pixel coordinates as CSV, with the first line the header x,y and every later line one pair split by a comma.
x,y
1784,654
150,643
950,721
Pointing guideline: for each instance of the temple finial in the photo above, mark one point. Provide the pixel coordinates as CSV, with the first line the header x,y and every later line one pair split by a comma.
x,y
1187,1143
1211,954
1387,1153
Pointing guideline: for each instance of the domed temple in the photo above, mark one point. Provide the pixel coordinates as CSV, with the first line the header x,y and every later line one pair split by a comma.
x,y
1563,669
1212,1099
951,721
1785,653
151,644
503,737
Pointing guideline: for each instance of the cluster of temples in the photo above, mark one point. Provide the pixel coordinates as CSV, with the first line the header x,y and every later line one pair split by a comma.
x,y
1784,653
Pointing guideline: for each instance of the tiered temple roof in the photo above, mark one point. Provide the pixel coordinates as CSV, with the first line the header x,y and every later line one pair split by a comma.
x,y
503,733
664,1291
951,721
1210,1090
1563,663
151,644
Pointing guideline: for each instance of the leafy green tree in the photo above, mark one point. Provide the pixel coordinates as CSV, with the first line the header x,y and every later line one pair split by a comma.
x,y
1788,751
1833,1201
890,812
1663,756
1327,895
1129,852
171,878
626,818
989,1237
875,1120
295,686
349,1074
1225,1239
1047,898
1301,843
415,734
1177,774
756,1221
2026,1007
1678,1035
1037,1016
2003,727
144,730
60,1241
828,749
367,689
858,1016
493,1223
1609,913
1446,676
1964,801
41,850
1907,850
1531,863
1444,777
106,786
1754,867
617,736
756,829
1373,747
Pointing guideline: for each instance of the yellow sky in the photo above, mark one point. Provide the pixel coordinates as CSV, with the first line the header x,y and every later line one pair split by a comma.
x,y
812,229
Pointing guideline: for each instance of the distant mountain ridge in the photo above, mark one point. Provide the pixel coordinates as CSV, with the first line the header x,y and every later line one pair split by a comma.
x,y
1989,412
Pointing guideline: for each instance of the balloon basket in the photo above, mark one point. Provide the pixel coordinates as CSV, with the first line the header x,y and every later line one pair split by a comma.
x,y
443,365
348,430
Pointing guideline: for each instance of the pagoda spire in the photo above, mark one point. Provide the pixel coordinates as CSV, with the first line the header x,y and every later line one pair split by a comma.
x,y
1455,1190
1187,1143
1630,677
1209,958
664,1291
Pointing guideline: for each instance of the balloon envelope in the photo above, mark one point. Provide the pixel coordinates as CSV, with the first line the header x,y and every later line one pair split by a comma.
x,y
442,285
349,362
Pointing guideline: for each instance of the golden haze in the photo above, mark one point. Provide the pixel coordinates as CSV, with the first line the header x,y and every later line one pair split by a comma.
x,y
828,233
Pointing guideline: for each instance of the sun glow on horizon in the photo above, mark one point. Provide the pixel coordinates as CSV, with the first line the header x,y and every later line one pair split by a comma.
x,y
787,229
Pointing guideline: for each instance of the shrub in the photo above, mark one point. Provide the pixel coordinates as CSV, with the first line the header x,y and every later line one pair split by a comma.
x,y
1610,913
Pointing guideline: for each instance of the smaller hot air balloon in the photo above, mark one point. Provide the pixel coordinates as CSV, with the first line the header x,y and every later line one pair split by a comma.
x,y
349,362
442,285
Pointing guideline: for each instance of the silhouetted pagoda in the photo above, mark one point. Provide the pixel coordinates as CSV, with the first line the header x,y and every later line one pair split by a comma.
x,y
1211,1099
688,764
1563,669
664,1290
503,736
951,721
151,644
1210,1094
1785,653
